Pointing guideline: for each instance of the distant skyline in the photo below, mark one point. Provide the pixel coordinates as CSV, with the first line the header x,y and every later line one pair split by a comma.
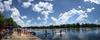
x,y
51,12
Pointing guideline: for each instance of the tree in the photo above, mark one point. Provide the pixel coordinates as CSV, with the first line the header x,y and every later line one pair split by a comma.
x,y
7,22
10,22
1,19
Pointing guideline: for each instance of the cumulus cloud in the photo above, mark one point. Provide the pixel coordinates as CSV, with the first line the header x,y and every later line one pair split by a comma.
x,y
31,0
27,3
84,14
64,17
38,18
44,8
15,12
7,4
89,10
24,17
48,0
93,1
16,17
28,23
1,7
97,21
54,19
79,7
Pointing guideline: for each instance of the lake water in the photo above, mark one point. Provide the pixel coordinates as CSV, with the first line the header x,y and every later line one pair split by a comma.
x,y
68,34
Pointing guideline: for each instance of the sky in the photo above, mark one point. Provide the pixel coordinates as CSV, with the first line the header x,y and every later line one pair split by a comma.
x,y
51,12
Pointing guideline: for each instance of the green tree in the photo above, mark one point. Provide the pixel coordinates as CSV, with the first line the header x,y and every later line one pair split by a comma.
x,y
10,22
6,22
1,19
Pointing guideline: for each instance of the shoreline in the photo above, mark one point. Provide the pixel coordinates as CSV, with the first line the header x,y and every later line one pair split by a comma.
x,y
22,36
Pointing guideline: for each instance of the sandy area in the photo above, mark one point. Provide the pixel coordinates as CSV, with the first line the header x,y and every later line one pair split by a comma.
x,y
22,36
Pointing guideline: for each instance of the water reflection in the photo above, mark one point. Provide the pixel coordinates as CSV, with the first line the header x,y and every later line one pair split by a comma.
x,y
68,34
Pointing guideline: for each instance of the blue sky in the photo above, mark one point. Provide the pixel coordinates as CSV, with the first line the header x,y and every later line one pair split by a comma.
x,y
51,12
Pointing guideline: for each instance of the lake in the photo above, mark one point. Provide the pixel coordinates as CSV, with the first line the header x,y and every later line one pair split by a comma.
x,y
68,34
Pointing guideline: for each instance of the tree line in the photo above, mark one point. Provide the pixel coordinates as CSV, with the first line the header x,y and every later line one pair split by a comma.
x,y
74,25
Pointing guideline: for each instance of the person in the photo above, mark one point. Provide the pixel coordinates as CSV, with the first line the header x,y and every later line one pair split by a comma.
x,y
19,31
60,33
2,33
33,33
46,34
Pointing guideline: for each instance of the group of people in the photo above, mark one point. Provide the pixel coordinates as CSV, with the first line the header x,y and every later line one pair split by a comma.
x,y
5,32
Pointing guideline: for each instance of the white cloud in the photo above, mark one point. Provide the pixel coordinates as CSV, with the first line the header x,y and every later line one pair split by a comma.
x,y
1,7
84,14
48,0
7,4
31,0
97,21
89,10
16,17
82,17
24,17
93,1
36,8
54,19
64,17
15,12
79,7
44,8
29,21
27,3
38,18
